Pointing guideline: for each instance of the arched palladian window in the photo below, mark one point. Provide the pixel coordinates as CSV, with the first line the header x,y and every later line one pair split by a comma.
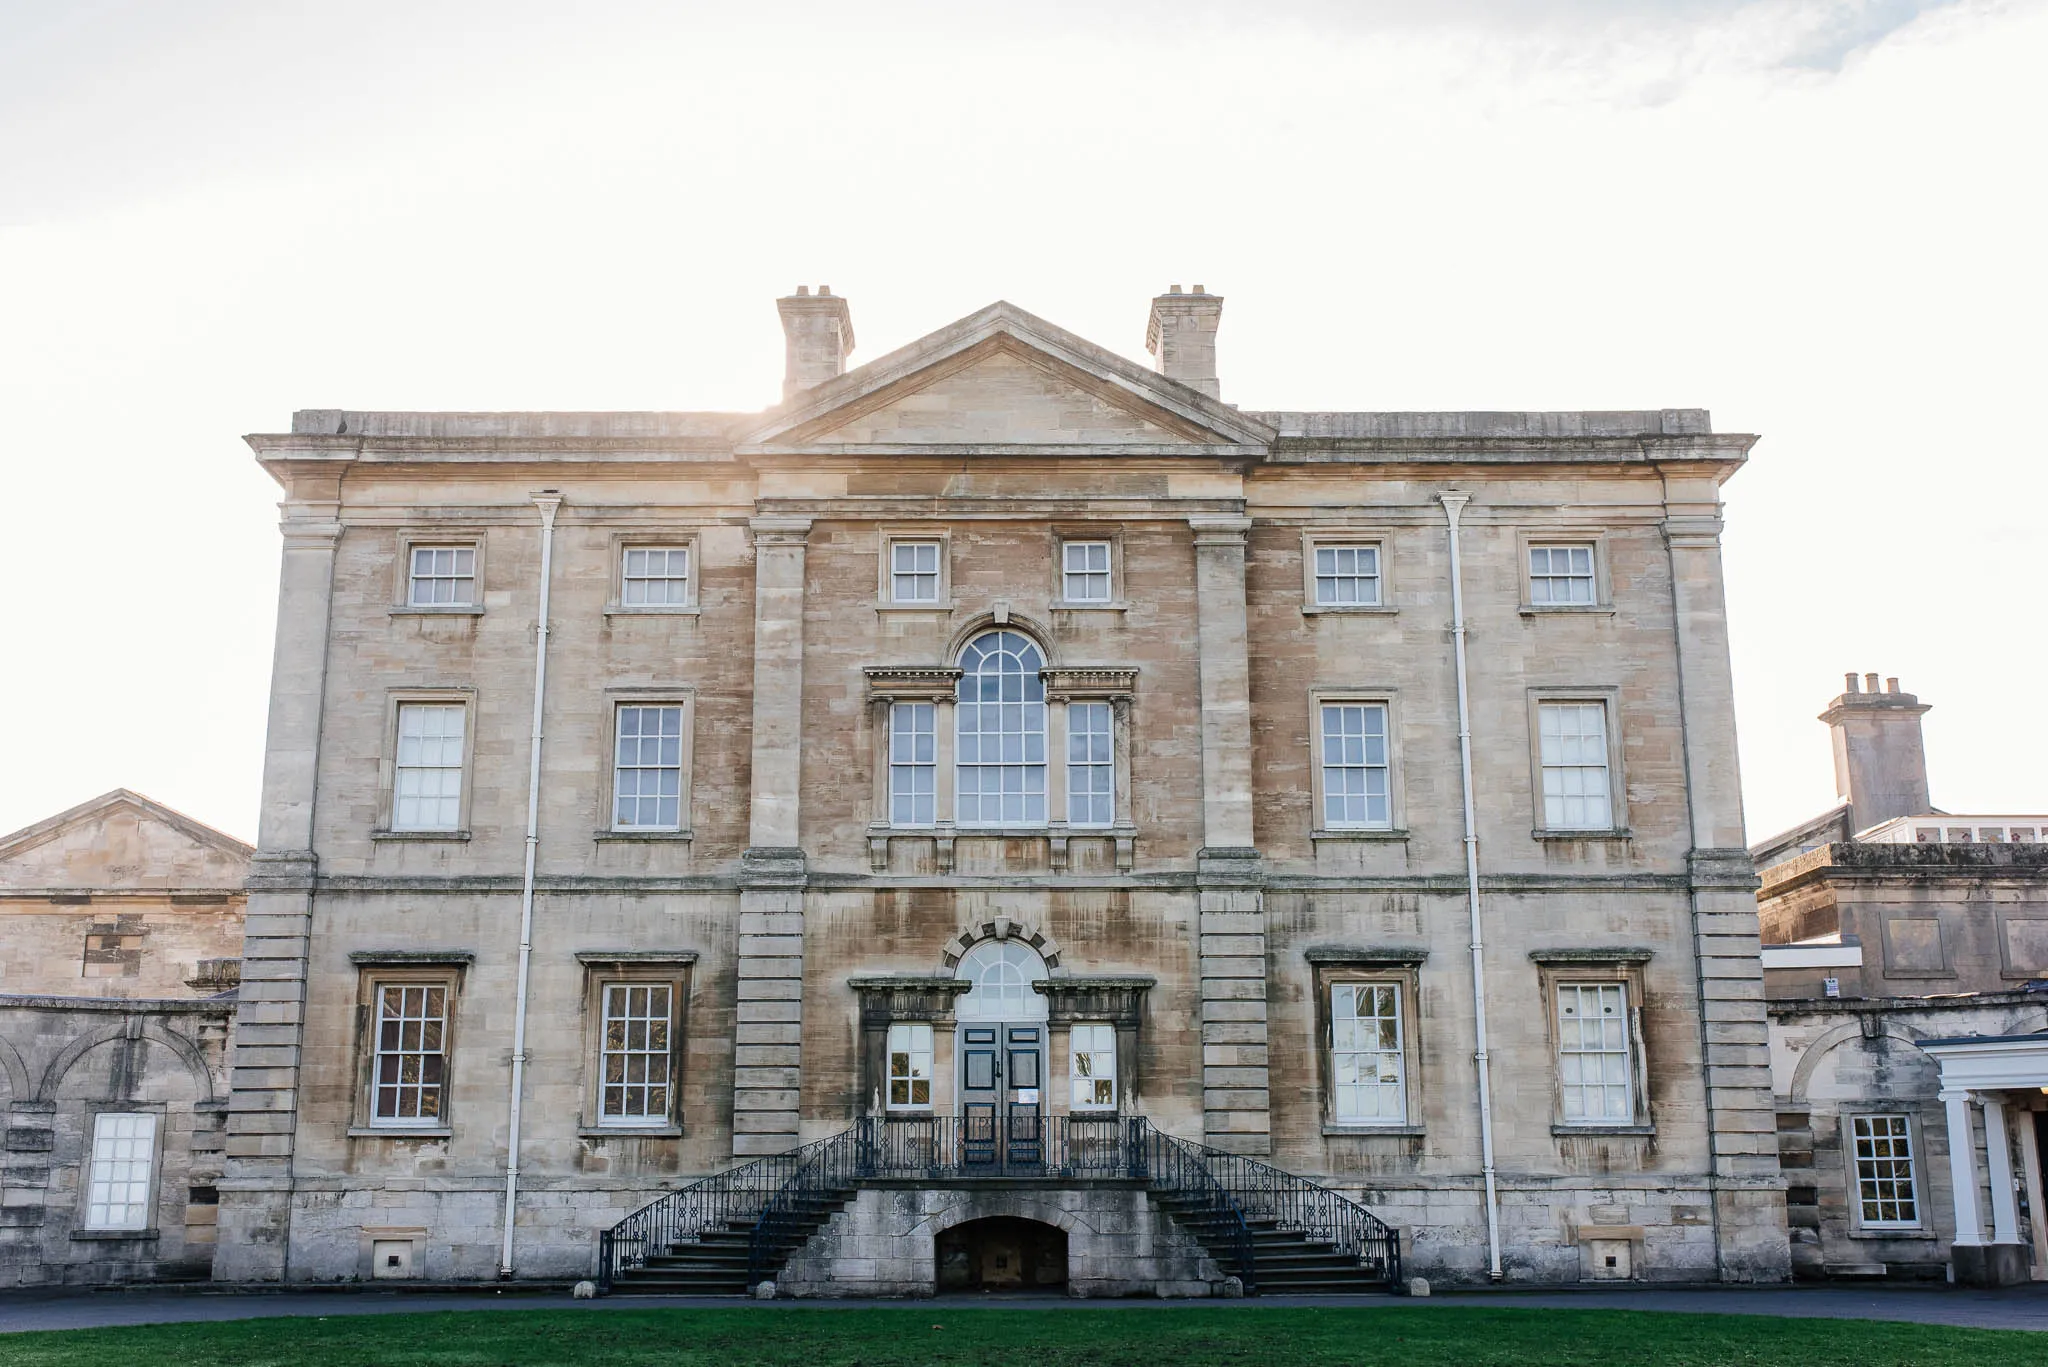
x,y
1000,750
1002,972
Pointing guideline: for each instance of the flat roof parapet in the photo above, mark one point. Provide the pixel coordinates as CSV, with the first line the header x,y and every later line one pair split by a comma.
x,y
1664,422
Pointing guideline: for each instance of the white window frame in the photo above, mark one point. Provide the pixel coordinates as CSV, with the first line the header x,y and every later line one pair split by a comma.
x,y
1398,1086
376,1051
470,583
657,1064
1902,1125
1041,768
910,1044
1590,539
1540,586
941,573
1571,1020
1616,822
1386,700
1097,763
1069,572
1316,540
1090,1063
401,705
681,706
115,1171
678,590
912,779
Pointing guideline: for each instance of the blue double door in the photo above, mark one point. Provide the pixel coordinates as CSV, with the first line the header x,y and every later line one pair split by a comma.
x,y
1002,1096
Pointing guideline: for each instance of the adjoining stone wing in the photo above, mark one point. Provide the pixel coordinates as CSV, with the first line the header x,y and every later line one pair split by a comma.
x,y
1001,377
122,840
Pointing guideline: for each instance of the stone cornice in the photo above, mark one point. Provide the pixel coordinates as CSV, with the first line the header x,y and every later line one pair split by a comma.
x,y
912,681
1091,681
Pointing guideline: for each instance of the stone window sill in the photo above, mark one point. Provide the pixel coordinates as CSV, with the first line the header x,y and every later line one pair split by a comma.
x,y
1602,833
656,836
113,1235
419,835
1373,1131
1347,610
384,1132
937,605
1567,609
1115,605
652,610
1364,833
438,610
1562,1130
630,1132
1916,1232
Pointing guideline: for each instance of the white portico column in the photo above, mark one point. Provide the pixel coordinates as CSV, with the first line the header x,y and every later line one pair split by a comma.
x,y
2005,1215
1962,1166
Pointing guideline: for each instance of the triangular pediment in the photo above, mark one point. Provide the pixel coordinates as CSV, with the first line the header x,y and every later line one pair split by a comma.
x,y
1001,378
122,840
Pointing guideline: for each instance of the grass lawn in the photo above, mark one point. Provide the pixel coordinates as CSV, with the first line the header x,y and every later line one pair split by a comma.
x,y
938,1333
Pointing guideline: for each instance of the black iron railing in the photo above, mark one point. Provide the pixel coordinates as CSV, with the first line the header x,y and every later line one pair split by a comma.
x,y
1264,1192
781,1199
718,1203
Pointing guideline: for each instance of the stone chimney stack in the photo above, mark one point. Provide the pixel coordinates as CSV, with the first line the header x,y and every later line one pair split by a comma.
x,y
1182,337
817,333
1880,764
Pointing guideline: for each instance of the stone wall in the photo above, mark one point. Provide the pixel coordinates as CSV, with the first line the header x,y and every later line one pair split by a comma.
x,y
883,1242
64,1061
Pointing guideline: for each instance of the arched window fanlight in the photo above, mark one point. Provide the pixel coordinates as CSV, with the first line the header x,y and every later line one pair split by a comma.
x,y
1000,750
1002,972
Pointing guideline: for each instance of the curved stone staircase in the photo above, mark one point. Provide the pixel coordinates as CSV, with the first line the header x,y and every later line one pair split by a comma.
x,y
1277,1233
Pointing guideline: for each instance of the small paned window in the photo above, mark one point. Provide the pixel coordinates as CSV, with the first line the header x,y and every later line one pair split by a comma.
x,y
913,763
913,571
910,1067
1366,1062
1084,571
1093,1068
648,774
123,1156
410,1067
427,794
1573,739
1355,766
635,1090
1001,735
1561,575
1347,576
1884,1170
655,576
442,576
1091,764
1593,1053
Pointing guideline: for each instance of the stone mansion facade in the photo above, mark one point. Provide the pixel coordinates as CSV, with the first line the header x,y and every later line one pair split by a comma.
x,y
1001,730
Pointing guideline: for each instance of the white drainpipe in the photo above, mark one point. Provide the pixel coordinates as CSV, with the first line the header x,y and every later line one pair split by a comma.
x,y
1454,504
547,501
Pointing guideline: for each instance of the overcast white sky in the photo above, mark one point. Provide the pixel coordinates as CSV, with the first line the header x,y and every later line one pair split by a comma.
x,y
1822,219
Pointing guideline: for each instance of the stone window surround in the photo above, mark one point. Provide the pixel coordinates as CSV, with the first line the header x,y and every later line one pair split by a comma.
x,y
1617,783
1845,1119
688,537
466,534
939,685
387,776
1575,535
376,969
1381,695
150,1229
1625,965
673,695
1110,532
891,534
1324,534
1330,965
603,968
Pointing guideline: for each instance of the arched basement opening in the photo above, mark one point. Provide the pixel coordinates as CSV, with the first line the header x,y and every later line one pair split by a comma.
x,y
1002,1253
